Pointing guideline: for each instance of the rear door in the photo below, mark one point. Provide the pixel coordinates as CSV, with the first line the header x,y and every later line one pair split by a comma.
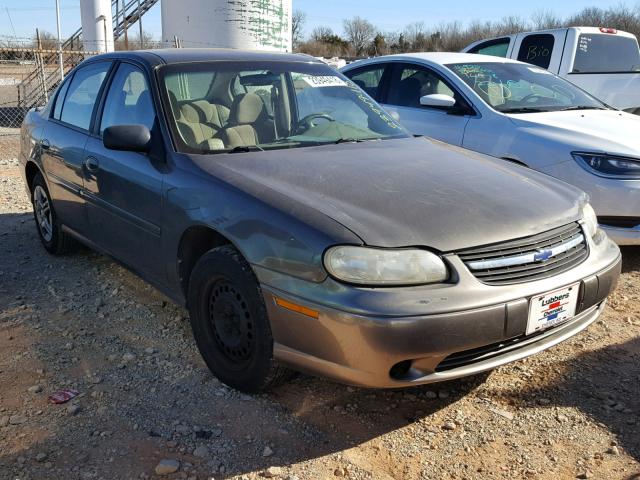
x,y
124,189
408,83
543,49
64,141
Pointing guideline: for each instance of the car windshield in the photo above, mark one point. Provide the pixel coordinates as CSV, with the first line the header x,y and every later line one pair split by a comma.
x,y
520,88
218,107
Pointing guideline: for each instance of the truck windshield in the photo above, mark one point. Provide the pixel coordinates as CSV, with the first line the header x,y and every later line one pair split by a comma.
x,y
606,53
521,88
228,107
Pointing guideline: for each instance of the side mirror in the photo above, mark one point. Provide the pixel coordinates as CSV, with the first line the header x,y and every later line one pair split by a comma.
x,y
129,138
437,100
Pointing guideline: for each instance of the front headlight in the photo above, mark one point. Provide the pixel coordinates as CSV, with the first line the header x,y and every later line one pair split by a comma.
x,y
609,166
384,267
590,220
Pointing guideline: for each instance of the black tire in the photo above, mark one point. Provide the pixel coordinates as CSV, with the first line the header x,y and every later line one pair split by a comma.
x,y
54,240
230,324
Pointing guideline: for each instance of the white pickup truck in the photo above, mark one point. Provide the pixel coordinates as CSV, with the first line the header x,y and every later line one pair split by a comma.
x,y
603,61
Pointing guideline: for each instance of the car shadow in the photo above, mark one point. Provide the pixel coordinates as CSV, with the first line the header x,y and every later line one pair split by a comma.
x,y
596,382
82,321
630,259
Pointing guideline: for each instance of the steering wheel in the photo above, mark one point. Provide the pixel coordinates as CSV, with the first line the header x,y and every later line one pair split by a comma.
x,y
306,123
530,98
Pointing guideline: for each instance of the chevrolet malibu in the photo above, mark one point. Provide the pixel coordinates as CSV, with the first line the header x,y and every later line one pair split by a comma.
x,y
303,227
520,113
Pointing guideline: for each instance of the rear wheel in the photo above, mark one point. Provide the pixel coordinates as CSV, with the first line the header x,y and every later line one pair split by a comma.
x,y
53,239
230,323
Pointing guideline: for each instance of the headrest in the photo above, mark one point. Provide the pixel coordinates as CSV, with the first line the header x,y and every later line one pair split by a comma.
x,y
191,114
173,100
247,108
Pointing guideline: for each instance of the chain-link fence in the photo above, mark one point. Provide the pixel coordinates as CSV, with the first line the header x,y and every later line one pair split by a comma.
x,y
28,78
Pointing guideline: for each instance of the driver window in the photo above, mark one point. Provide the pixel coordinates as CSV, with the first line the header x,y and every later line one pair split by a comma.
x,y
411,82
129,100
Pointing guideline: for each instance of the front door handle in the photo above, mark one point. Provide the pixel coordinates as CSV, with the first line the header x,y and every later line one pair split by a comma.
x,y
91,164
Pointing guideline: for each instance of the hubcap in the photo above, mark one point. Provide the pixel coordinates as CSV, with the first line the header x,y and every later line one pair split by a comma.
x,y
231,322
42,207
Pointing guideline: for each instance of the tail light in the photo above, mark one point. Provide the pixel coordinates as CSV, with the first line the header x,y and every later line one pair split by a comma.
x,y
608,30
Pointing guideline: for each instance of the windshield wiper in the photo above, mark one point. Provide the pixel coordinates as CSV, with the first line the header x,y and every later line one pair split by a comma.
x,y
356,140
580,107
246,149
524,110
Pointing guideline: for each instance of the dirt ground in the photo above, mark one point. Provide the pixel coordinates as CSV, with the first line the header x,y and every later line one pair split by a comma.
x,y
145,396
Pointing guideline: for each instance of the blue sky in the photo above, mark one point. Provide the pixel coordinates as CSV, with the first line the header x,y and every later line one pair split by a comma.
x,y
26,15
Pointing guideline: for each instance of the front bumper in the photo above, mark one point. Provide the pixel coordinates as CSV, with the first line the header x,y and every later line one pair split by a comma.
x,y
463,329
609,197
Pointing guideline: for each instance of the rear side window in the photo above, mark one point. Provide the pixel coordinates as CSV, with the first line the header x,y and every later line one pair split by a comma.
x,y
60,100
82,94
599,53
537,49
497,48
368,79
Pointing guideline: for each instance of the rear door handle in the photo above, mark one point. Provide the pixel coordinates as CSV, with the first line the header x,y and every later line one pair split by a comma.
x,y
91,164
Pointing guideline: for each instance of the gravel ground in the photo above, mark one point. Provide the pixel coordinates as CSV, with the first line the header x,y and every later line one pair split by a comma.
x,y
149,408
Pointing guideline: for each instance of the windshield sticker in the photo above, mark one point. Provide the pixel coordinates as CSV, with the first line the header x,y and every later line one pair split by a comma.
x,y
364,98
320,81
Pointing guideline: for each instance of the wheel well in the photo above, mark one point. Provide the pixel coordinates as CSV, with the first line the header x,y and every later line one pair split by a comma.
x,y
195,242
31,170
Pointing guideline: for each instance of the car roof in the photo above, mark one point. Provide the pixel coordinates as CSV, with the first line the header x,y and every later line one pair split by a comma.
x,y
185,55
441,58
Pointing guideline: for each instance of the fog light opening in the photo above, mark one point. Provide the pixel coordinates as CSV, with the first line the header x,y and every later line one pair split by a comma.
x,y
400,371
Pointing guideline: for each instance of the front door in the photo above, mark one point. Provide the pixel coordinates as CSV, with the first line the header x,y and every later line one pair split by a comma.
x,y
64,139
124,189
408,84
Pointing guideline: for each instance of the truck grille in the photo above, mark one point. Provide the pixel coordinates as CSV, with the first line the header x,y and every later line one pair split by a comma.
x,y
526,259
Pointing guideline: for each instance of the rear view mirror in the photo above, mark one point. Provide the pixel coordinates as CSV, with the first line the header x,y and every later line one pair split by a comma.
x,y
437,100
130,138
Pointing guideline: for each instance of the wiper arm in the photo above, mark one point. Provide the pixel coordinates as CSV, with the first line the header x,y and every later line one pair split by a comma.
x,y
580,107
246,149
523,110
348,140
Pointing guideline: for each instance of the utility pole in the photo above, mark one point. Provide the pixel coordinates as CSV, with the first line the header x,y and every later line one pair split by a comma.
x,y
140,25
59,41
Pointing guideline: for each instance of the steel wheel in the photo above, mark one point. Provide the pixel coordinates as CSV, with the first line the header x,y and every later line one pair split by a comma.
x,y
231,322
44,216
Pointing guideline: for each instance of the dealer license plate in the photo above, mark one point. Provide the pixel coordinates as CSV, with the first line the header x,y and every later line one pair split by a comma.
x,y
552,308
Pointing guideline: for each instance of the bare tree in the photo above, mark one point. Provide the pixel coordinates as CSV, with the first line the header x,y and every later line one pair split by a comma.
x,y
359,33
545,20
298,20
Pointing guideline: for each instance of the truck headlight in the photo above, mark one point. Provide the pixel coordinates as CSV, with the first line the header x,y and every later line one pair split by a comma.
x,y
609,166
590,220
384,267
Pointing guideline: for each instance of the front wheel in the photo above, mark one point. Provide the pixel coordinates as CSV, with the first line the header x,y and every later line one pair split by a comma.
x,y
229,322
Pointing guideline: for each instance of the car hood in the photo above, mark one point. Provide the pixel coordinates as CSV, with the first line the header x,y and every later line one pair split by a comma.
x,y
407,192
607,131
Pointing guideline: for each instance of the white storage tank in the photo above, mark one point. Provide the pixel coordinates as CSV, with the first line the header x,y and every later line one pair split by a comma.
x,y
97,29
242,24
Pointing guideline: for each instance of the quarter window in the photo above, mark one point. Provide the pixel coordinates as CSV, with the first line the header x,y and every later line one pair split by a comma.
x,y
82,94
60,100
368,79
537,49
129,100
410,83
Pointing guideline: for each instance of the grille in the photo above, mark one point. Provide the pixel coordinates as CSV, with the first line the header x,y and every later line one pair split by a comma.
x,y
526,259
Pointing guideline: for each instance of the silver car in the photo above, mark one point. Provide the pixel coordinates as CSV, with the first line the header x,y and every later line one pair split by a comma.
x,y
303,227
519,113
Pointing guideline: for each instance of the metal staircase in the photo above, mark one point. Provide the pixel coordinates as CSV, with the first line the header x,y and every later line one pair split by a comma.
x,y
45,77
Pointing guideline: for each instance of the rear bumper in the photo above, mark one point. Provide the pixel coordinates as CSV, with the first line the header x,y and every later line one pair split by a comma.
x,y
385,352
